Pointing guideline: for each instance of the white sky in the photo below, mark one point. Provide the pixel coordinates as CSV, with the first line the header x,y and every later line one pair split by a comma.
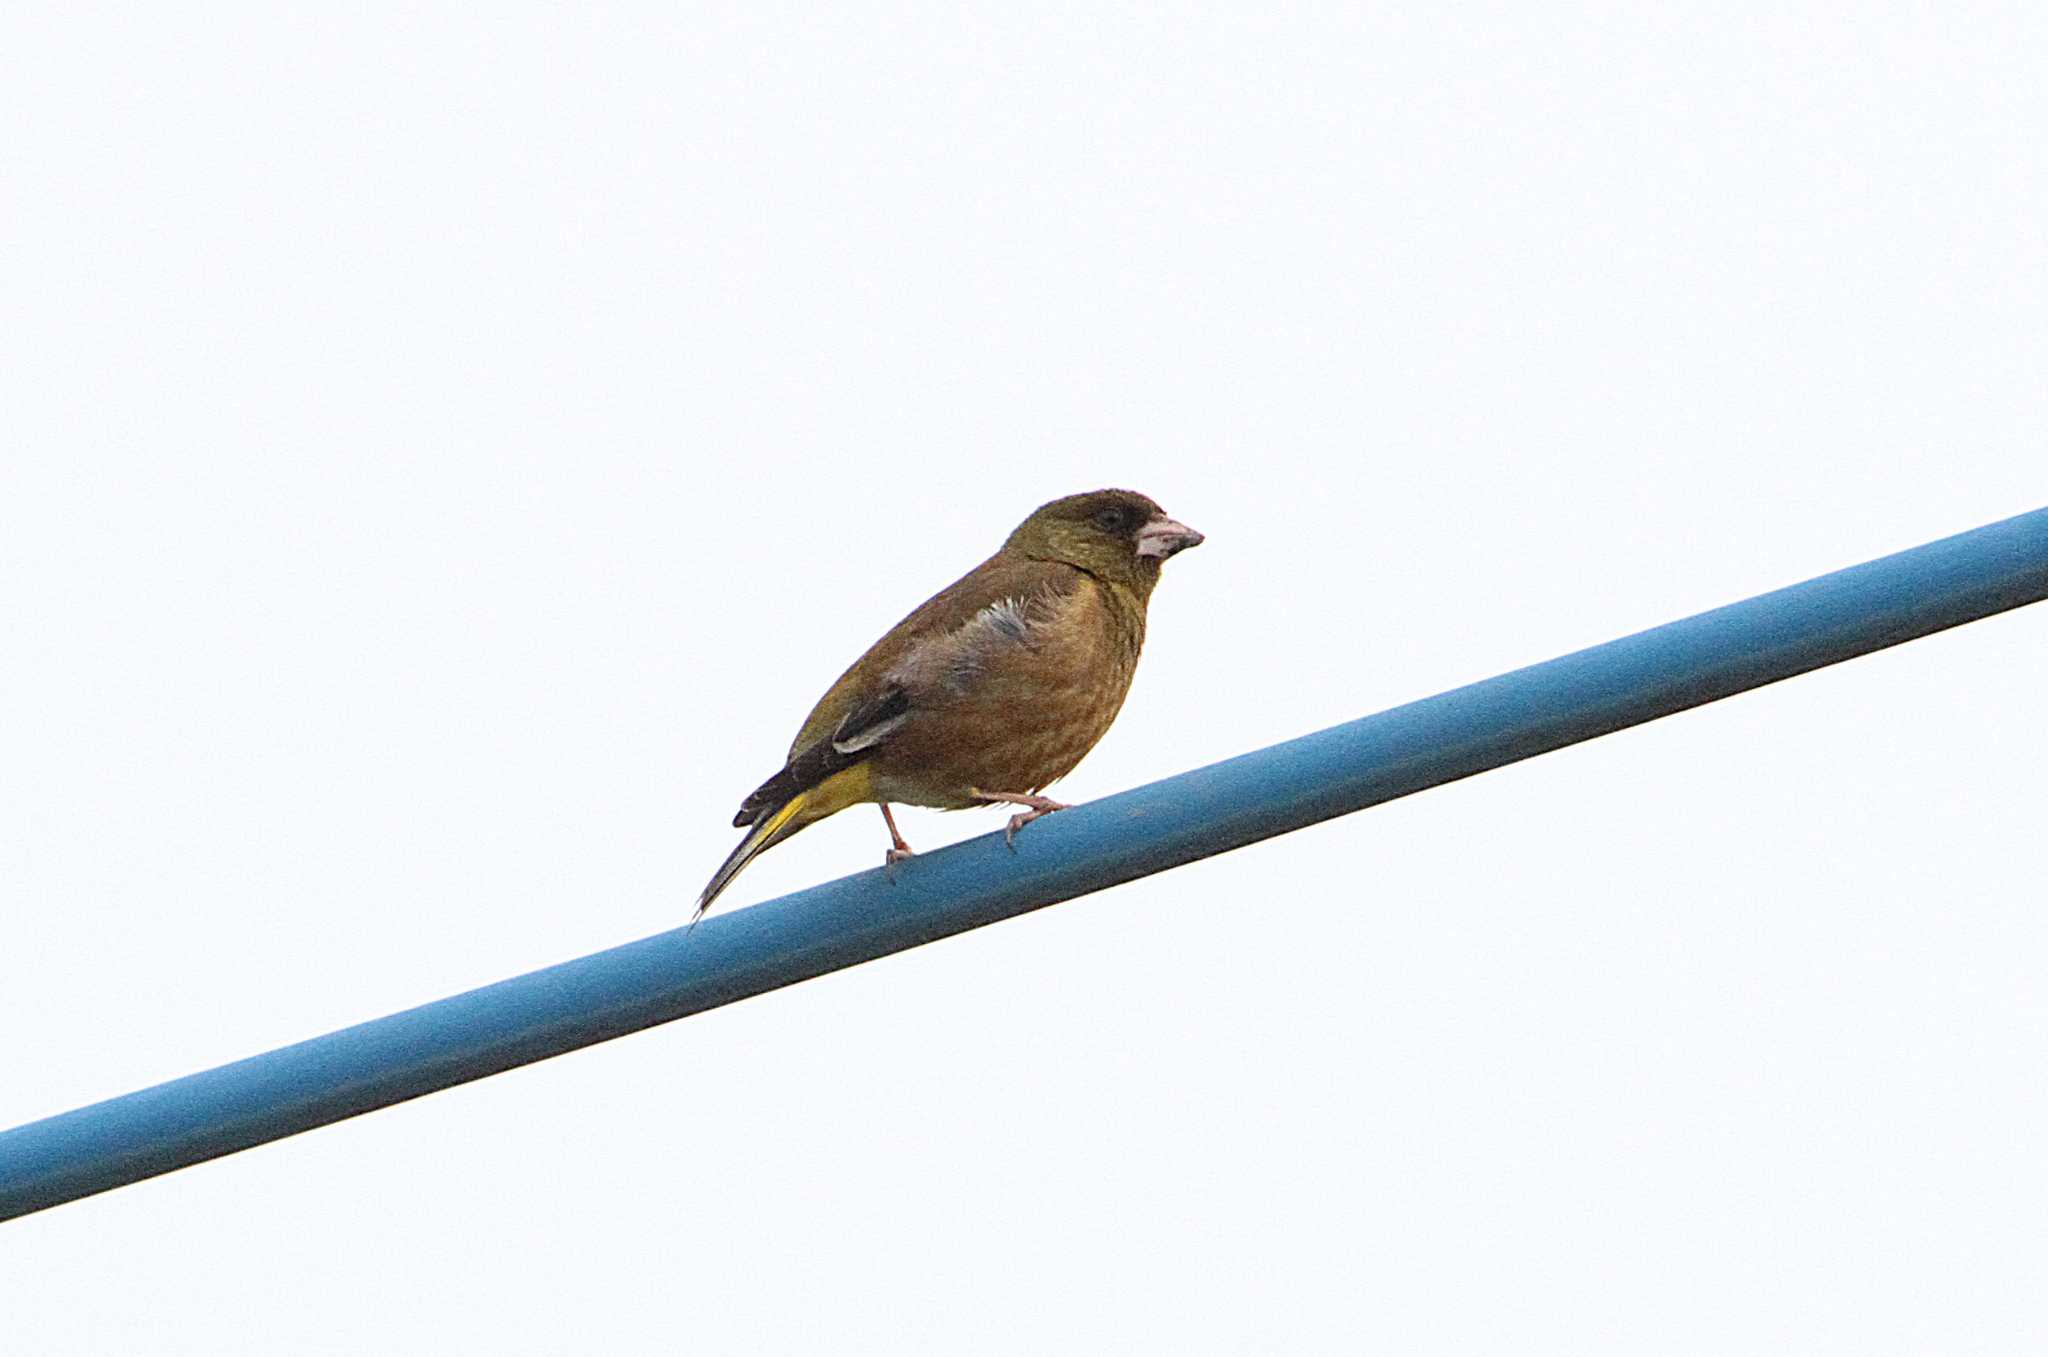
x,y
447,451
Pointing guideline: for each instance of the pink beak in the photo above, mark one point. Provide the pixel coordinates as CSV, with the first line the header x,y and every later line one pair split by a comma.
x,y
1162,537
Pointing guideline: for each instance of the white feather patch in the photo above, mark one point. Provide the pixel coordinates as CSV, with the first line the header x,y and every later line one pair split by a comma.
x,y
873,735
1005,618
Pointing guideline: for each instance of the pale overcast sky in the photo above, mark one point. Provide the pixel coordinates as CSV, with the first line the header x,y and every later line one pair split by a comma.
x,y
447,450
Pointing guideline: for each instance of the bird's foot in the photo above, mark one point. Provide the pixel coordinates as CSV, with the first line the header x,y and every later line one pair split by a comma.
x,y
1021,819
898,849
1037,806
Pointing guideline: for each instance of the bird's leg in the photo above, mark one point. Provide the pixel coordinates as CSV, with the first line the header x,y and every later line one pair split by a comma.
x,y
898,850
1039,805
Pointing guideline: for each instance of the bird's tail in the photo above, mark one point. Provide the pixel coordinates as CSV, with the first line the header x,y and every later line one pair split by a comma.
x,y
766,832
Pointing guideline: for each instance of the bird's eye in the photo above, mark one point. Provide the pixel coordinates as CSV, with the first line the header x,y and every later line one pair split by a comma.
x,y
1109,520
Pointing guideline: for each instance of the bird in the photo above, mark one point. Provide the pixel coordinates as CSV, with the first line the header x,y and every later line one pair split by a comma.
x,y
989,691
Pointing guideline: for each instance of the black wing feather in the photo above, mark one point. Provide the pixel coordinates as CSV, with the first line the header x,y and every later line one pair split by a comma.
x,y
853,740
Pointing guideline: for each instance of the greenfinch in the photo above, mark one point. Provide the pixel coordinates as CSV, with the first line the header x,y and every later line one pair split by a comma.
x,y
988,692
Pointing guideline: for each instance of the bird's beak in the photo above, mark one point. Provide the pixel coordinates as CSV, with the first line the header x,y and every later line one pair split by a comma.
x,y
1162,537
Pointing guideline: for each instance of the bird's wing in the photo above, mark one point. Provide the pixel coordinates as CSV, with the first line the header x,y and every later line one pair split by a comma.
x,y
939,651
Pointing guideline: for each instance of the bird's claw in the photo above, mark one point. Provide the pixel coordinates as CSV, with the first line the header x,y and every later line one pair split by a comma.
x,y
1025,817
891,857
1038,805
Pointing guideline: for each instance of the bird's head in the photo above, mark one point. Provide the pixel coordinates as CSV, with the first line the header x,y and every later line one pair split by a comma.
x,y
1116,535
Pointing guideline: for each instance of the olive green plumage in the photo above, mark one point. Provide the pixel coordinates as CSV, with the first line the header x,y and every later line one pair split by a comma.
x,y
989,691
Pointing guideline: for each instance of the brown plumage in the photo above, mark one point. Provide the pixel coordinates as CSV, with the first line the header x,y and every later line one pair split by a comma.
x,y
988,692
